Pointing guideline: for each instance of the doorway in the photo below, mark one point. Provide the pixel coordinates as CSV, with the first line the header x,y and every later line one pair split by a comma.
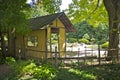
x,y
53,42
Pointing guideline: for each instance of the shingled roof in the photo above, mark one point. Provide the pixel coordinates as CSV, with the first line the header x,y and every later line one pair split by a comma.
x,y
43,21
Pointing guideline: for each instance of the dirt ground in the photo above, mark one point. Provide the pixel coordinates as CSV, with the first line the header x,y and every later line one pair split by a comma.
x,y
4,70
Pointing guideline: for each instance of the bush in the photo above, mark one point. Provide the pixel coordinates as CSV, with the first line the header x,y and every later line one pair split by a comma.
x,y
22,69
9,60
45,72
72,40
2,60
105,45
83,40
29,68
93,40
54,41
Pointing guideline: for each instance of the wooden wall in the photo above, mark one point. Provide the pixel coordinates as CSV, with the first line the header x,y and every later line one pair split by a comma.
x,y
43,35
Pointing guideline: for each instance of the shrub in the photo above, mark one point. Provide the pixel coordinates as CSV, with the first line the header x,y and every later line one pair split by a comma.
x,y
72,40
93,40
105,45
9,60
54,41
45,72
83,40
2,60
29,68
86,36
22,69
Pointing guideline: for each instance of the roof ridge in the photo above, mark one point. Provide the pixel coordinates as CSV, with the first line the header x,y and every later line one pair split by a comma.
x,y
43,21
59,14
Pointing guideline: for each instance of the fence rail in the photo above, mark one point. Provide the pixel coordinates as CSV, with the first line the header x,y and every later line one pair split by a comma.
x,y
87,56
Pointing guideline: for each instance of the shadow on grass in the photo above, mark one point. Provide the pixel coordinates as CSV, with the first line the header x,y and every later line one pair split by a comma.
x,y
103,72
73,74
20,70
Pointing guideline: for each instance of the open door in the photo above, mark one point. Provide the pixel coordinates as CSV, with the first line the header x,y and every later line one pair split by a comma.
x,y
53,42
54,39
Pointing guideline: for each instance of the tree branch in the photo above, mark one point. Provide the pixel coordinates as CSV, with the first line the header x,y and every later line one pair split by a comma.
x,y
97,5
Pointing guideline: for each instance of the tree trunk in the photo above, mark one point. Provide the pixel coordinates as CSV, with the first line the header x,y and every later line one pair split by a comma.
x,y
3,48
10,44
113,9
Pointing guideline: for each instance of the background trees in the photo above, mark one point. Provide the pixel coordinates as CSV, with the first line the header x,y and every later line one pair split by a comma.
x,y
13,19
85,10
44,7
94,12
92,34
15,16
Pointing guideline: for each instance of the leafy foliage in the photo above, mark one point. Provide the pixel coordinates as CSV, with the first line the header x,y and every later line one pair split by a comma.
x,y
86,36
9,60
22,69
105,45
83,40
13,15
83,10
71,40
50,6
37,10
45,72
92,34
28,70
89,20
74,74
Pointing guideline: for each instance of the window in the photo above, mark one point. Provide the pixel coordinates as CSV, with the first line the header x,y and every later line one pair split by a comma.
x,y
32,41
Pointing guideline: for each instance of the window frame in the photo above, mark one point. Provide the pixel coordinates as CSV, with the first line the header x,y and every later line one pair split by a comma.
x,y
34,43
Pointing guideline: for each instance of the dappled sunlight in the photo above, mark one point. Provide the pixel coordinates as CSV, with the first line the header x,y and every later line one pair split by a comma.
x,y
83,74
31,70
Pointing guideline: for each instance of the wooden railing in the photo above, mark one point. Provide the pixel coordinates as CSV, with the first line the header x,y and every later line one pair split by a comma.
x,y
88,58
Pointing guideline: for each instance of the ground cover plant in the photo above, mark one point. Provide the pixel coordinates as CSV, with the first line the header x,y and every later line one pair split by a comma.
x,y
29,70
98,72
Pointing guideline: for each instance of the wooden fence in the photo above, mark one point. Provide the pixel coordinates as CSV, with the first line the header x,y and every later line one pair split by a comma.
x,y
88,56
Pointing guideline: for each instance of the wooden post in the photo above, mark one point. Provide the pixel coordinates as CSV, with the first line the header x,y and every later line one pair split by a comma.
x,y
92,56
56,55
105,56
99,60
85,56
78,55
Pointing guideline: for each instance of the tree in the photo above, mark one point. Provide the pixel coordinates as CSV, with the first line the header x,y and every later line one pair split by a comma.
x,y
44,7
13,19
37,10
95,12
95,33
82,28
85,10
50,6
101,33
113,9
